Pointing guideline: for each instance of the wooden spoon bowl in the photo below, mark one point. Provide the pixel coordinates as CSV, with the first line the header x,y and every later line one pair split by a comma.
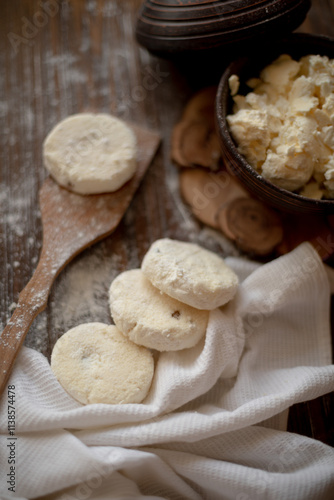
x,y
71,223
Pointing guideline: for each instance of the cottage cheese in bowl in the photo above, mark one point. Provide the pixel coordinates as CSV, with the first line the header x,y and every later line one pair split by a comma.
x,y
284,126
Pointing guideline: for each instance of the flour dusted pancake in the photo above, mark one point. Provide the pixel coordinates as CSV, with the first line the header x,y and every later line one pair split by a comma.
x,y
95,363
90,153
189,273
151,318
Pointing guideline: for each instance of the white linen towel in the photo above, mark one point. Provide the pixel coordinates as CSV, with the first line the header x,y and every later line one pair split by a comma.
x,y
213,425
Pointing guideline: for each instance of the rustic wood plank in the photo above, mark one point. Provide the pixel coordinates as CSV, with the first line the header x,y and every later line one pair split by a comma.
x,y
84,56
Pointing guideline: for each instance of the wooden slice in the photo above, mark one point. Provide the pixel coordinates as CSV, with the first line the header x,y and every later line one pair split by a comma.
x,y
194,139
254,227
206,192
218,199
197,145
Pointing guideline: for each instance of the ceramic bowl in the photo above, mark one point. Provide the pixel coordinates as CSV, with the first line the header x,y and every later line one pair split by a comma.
x,y
171,27
297,45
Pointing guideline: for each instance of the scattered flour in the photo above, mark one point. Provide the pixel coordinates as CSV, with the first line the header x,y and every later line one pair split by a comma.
x,y
79,295
14,208
37,337
81,291
3,108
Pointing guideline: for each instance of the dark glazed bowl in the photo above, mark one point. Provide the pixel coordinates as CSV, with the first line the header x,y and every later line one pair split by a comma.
x,y
297,45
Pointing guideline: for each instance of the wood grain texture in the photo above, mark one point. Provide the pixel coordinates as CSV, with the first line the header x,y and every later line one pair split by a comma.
x,y
82,57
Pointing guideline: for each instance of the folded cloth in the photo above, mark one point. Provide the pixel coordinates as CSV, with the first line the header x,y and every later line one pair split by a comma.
x,y
213,424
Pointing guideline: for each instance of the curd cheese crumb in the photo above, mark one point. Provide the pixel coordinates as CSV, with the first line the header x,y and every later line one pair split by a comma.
x,y
285,125
253,124
281,72
312,190
234,83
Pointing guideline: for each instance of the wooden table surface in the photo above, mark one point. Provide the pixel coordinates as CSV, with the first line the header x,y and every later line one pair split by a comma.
x,y
74,56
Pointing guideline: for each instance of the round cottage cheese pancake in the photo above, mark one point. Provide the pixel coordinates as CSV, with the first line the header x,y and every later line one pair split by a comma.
x,y
95,363
90,153
151,318
189,273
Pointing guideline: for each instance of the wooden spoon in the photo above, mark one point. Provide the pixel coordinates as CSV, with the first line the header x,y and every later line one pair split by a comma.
x,y
71,223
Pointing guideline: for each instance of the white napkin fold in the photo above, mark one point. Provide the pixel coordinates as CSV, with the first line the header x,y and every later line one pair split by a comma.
x,y
212,426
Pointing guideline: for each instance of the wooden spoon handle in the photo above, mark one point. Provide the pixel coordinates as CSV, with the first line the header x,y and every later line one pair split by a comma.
x,y
32,300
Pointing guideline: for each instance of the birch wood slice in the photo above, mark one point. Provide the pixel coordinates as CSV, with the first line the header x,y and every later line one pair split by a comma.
x,y
254,227
208,192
